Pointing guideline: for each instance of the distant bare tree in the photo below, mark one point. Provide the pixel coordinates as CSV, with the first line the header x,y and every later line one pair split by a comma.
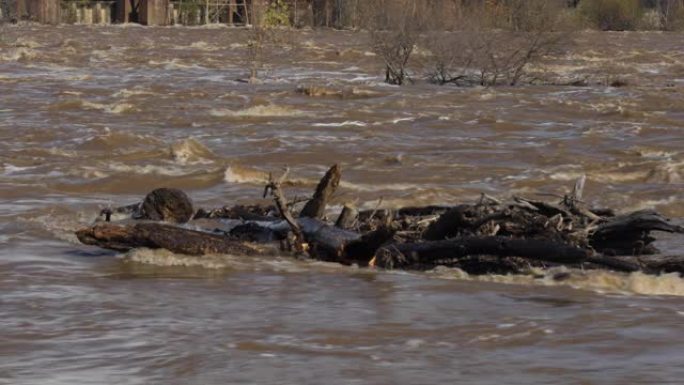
x,y
671,14
6,7
476,44
270,29
394,27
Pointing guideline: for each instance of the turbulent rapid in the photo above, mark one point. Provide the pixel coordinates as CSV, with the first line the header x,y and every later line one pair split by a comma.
x,y
94,117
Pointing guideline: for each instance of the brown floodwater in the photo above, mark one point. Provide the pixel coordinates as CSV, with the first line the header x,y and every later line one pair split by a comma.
x,y
92,117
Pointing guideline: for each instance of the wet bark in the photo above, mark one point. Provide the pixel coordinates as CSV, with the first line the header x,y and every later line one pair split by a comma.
x,y
155,235
315,208
428,253
630,234
166,204
347,218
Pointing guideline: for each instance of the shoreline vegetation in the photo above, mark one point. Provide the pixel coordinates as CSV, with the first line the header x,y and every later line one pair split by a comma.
x,y
471,43
461,42
519,15
465,42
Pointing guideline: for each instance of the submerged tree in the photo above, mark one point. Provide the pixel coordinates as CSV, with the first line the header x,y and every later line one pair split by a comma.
x,y
394,27
470,42
270,27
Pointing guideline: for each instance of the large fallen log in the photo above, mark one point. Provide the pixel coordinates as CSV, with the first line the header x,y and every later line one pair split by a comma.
x,y
332,244
155,235
630,234
438,252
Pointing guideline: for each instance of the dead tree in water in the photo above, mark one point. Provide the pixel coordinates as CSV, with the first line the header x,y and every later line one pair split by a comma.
x,y
487,236
394,27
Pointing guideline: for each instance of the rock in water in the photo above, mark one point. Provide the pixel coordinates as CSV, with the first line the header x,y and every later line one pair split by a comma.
x,y
167,204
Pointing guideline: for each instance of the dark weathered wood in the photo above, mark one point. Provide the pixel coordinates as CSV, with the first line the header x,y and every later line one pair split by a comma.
x,y
630,234
362,250
655,264
127,11
546,208
154,12
263,213
448,223
167,204
253,232
315,208
333,244
463,218
44,11
614,263
485,237
348,217
155,235
650,264
274,187
422,211
645,220
326,242
408,254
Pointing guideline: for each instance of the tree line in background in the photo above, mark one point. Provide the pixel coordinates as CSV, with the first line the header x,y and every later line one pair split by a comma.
x,y
352,14
600,14
493,42
464,42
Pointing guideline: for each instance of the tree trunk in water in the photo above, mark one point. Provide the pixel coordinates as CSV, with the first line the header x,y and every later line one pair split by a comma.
x,y
315,208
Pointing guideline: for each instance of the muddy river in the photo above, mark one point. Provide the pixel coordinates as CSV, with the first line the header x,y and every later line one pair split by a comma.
x,y
92,117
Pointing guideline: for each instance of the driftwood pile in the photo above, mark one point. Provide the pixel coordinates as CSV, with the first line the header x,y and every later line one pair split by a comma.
x,y
488,236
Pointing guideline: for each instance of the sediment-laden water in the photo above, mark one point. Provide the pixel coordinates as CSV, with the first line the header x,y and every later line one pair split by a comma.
x,y
98,116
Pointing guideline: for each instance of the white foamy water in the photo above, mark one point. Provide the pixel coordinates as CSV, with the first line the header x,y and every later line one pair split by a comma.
x,y
257,111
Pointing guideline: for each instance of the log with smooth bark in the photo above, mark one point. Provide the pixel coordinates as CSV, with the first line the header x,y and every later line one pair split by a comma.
x,y
155,235
325,242
407,255
630,234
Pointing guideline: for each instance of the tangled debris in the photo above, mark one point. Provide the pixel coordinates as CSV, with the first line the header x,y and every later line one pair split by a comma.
x,y
485,237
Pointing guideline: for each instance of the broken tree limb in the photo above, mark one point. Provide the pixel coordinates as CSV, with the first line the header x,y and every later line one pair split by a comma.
x,y
274,187
362,250
615,263
630,234
415,254
348,217
325,242
155,235
244,212
315,208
